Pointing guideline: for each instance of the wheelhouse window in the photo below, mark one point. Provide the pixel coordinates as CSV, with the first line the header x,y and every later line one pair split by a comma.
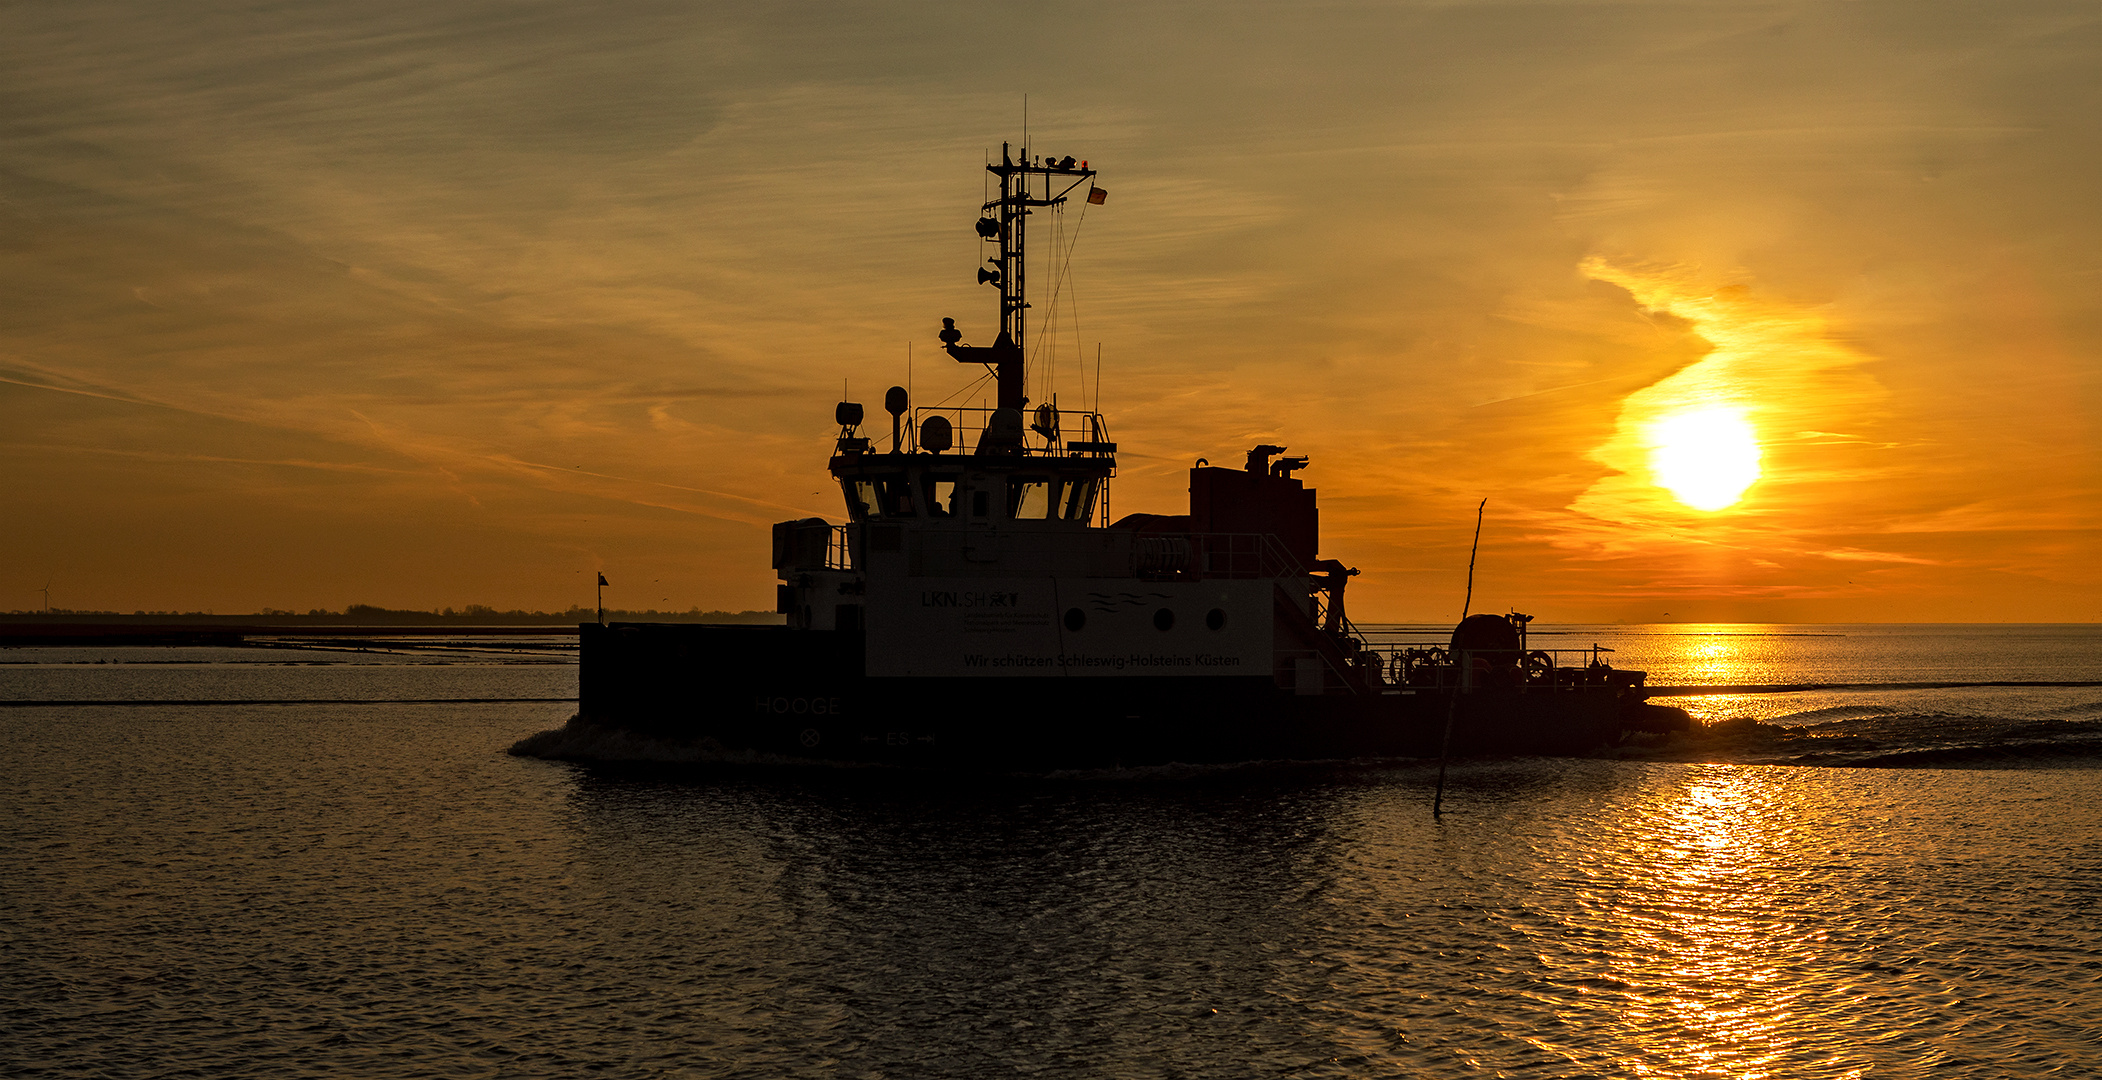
x,y
863,500
1030,498
1079,500
938,494
897,496
879,497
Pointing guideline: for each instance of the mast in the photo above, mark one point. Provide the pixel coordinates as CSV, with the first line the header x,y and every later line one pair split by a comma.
x,y
1005,223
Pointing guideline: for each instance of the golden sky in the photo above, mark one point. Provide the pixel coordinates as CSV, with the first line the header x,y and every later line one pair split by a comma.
x,y
428,305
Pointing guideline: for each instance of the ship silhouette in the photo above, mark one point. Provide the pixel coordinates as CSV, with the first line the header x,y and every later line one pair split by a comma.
x,y
978,606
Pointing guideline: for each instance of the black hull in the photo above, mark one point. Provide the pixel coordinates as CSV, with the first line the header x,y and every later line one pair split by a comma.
x,y
773,693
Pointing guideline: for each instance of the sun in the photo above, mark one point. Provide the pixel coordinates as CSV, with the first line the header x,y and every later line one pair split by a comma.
x,y
1705,456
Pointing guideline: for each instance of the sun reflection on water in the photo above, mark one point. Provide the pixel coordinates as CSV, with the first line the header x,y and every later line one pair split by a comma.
x,y
1691,654
1703,921
1711,930
1715,660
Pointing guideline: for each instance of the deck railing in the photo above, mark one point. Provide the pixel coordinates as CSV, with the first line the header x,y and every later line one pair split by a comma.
x,y
1196,556
1435,666
1070,433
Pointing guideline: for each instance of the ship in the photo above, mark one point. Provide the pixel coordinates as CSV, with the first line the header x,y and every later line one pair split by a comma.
x,y
977,605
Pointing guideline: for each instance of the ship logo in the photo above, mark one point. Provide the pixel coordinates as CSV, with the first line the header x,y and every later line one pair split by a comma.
x,y
955,598
1111,603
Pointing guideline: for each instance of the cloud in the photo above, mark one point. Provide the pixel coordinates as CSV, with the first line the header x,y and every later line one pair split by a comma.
x,y
1774,364
595,274
1858,555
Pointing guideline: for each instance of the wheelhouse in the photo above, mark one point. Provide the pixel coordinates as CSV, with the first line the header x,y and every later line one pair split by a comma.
x,y
999,479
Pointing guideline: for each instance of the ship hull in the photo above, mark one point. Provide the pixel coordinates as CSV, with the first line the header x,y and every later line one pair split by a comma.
x,y
774,693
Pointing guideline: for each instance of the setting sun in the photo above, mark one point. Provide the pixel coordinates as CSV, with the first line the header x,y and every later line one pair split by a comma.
x,y
1706,457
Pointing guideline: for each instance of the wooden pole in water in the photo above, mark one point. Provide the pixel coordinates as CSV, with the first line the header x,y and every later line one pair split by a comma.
x,y
1445,744
1466,664
1468,604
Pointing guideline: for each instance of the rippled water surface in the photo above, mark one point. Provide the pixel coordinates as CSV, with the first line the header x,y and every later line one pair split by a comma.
x,y
377,889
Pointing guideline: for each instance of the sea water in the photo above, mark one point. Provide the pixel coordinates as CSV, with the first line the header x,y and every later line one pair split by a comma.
x,y
316,862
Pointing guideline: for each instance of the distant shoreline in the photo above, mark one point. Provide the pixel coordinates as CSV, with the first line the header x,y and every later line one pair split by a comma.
x,y
38,629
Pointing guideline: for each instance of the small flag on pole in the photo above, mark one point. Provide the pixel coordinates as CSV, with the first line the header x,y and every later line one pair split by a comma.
x,y
1096,196
603,582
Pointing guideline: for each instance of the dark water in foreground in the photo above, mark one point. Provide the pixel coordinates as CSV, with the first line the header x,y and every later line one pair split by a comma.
x,y
376,889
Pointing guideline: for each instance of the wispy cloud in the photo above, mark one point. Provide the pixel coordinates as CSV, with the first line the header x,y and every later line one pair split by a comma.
x,y
1858,555
507,289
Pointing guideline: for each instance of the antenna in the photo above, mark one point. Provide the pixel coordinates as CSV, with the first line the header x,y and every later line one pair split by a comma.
x,y
1004,223
1098,377
1080,368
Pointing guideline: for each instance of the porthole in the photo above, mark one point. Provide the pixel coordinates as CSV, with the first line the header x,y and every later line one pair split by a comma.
x,y
1215,619
1163,619
1075,619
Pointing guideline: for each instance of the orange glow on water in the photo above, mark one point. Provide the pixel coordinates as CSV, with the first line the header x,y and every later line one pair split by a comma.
x,y
1731,945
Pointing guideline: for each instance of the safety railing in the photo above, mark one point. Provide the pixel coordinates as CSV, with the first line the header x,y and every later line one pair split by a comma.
x,y
1433,666
1196,556
811,544
1046,430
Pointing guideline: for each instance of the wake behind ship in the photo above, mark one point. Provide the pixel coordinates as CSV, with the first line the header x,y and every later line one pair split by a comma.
x,y
978,606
